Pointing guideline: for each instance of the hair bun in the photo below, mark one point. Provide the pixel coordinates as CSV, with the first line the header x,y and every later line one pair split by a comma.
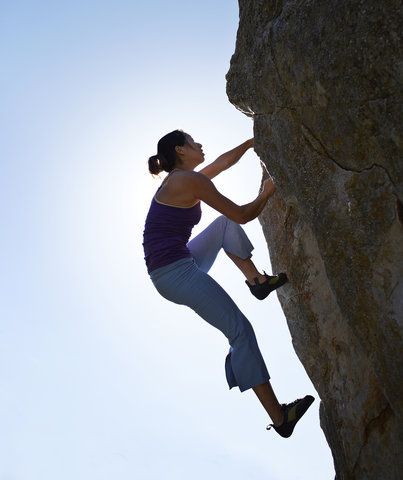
x,y
154,165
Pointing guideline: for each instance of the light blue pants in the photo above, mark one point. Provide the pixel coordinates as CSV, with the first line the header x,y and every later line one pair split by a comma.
x,y
186,282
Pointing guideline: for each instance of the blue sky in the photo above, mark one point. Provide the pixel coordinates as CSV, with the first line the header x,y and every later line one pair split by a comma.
x,y
100,377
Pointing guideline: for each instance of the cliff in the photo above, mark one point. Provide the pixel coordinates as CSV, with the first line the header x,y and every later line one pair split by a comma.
x,y
323,83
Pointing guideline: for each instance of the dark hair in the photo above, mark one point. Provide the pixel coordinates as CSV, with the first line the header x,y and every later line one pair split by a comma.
x,y
166,157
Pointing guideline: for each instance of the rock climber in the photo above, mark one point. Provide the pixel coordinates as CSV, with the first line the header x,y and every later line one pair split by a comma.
x,y
178,268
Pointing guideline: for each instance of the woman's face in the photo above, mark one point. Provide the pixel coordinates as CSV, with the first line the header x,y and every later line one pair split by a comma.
x,y
193,150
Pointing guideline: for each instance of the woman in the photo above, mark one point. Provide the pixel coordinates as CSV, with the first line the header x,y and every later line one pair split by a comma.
x,y
178,267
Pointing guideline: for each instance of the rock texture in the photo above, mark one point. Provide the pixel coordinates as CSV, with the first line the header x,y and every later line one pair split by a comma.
x,y
322,80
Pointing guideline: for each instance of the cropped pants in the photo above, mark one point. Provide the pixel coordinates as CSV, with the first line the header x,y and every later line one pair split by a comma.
x,y
186,282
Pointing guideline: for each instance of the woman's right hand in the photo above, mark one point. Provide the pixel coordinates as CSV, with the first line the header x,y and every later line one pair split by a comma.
x,y
268,187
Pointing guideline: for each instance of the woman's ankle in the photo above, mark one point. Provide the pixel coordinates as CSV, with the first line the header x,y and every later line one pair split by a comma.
x,y
278,418
256,275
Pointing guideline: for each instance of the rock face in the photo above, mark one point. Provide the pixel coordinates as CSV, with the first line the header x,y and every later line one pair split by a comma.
x,y
323,83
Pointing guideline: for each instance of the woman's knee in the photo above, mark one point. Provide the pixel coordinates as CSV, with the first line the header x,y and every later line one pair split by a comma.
x,y
222,219
241,332
225,221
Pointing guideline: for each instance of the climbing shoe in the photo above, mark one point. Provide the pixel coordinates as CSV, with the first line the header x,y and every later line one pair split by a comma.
x,y
261,290
292,413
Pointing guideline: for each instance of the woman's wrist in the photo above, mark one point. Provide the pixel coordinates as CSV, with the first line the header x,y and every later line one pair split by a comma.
x,y
265,195
250,143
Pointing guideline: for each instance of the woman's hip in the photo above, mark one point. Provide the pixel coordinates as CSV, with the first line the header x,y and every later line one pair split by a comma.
x,y
173,281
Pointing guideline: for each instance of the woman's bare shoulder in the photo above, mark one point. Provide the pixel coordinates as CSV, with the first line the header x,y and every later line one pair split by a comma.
x,y
188,178
179,188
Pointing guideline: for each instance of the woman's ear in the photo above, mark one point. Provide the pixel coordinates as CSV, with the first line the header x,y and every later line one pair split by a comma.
x,y
179,149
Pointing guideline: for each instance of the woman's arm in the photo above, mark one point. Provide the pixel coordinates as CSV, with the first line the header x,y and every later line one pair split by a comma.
x,y
204,189
226,160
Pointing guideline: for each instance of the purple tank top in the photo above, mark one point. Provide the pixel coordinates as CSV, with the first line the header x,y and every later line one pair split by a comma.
x,y
167,231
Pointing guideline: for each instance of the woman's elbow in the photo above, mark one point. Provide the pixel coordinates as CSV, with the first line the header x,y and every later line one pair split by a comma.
x,y
236,217
241,217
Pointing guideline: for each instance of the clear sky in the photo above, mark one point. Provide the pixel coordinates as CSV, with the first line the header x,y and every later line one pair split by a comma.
x,y
100,377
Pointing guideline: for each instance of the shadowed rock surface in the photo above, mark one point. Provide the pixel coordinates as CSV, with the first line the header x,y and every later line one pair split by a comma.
x,y
323,82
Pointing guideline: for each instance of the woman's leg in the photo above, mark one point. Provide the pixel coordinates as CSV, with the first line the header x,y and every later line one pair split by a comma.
x,y
248,268
184,283
225,234
268,399
228,235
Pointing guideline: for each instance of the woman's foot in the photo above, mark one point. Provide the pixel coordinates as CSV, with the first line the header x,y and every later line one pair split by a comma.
x,y
292,413
262,289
